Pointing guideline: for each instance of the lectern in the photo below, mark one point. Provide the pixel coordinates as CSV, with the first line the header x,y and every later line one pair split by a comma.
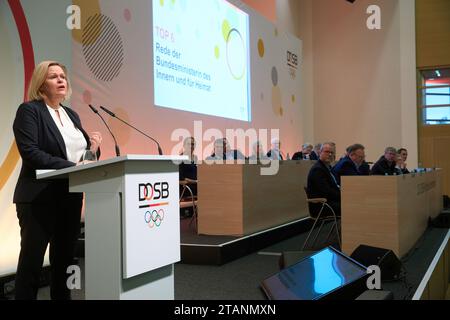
x,y
132,225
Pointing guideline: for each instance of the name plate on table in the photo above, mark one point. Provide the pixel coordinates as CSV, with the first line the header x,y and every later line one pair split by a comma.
x,y
151,223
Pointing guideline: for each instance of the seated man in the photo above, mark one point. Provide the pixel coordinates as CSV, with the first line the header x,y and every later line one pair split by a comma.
x,y
188,168
275,153
315,152
258,154
322,183
305,153
223,151
386,164
402,154
352,164
188,150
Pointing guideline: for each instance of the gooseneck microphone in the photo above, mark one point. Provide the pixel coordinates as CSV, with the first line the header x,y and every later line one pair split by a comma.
x,y
112,135
112,114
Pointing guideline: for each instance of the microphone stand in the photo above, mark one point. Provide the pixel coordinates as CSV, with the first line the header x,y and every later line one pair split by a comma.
x,y
114,138
112,114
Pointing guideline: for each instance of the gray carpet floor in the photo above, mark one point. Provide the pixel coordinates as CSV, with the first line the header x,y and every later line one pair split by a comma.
x,y
240,279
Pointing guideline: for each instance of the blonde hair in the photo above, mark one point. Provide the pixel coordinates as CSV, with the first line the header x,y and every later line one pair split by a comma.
x,y
38,79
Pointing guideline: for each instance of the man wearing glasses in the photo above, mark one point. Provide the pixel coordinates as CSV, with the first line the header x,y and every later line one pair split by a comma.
x,y
353,164
322,183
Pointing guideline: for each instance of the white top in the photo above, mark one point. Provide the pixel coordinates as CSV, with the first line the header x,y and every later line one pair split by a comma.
x,y
73,137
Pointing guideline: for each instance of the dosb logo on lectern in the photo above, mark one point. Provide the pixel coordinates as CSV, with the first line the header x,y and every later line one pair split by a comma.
x,y
153,196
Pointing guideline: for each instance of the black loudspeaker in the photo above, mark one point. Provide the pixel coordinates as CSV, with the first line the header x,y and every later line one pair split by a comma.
x,y
446,201
441,221
386,259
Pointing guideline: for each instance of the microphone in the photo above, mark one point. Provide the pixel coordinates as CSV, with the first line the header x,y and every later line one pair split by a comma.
x,y
115,141
114,116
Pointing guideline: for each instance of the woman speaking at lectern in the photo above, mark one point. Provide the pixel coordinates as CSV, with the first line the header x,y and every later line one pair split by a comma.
x,y
48,136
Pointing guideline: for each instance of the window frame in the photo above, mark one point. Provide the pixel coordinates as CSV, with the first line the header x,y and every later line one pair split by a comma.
x,y
423,107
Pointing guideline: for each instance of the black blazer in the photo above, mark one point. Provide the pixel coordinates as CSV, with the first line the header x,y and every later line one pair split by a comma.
x,y
383,167
237,155
313,156
297,156
346,167
321,183
41,146
269,155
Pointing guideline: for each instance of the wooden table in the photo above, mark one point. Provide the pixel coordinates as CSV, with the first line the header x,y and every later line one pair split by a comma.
x,y
388,211
235,199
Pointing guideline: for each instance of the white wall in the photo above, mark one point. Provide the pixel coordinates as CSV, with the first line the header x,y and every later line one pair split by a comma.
x,y
295,16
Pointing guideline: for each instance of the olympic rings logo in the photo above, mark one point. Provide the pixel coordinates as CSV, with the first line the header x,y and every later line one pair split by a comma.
x,y
154,218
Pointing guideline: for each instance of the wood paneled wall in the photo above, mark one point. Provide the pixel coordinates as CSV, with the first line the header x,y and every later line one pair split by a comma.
x,y
433,50
434,144
432,33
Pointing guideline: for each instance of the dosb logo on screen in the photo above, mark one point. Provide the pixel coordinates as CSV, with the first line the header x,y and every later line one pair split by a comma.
x,y
154,198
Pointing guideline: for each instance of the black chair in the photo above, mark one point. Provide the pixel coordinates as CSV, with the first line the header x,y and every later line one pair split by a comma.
x,y
322,219
190,200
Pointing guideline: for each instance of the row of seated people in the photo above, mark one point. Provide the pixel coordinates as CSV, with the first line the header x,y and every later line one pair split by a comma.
x,y
353,163
223,151
324,179
354,153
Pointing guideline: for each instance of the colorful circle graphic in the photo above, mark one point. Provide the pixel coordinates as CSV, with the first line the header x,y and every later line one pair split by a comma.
x,y
236,54
225,29
274,75
261,48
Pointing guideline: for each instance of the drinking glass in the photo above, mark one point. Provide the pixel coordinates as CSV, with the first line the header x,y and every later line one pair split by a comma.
x,y
89,156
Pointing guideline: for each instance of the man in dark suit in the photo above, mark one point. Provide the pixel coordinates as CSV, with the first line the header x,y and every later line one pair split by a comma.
x,y
322,183
315,152
223,152
352,164
305,153
386,164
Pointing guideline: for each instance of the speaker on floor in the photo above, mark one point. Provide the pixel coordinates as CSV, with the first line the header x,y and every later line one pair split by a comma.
x,y
446,201
441,221
386,259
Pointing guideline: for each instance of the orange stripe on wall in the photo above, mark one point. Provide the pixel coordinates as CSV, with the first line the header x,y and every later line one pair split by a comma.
x,y
9,164
267,8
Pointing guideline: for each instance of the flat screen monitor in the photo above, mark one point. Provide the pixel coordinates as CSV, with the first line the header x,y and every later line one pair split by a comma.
x,y
325,272
201,58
